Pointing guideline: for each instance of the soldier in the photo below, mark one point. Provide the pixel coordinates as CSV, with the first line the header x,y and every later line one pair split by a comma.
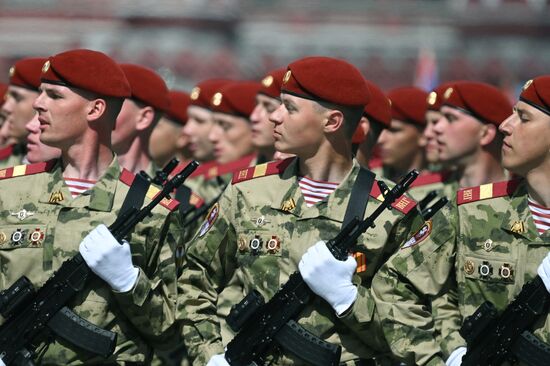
x,y
168,140
48,208
271,214
492,243
433,115
3,130
17,108
139,115
267,100
37,151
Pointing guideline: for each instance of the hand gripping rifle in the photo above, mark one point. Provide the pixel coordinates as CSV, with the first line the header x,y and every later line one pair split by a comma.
x,y
28,312
493,339
259,324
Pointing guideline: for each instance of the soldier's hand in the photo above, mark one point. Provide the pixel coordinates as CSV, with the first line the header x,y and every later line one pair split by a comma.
x,y
455,359
217,360
328,277
544,271
108,259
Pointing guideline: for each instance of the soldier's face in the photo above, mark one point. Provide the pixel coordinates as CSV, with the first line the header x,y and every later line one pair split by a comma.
x,y
36,150
198,128
62,114
262,128
400,144
166,140
231,136
18,110
430,138
526,145
298,126
458,136
125,129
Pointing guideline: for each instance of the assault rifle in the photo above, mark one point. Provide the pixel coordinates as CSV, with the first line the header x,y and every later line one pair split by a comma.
x,y
31,315
260,324
493,339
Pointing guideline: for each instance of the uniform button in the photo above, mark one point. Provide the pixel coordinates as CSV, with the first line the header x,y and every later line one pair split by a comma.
x,y
469,267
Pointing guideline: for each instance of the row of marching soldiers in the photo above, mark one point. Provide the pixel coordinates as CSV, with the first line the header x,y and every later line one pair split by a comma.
x,y
284,164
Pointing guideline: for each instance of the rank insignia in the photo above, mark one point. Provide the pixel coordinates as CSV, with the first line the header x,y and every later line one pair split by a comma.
x,y
255,244
518,227
485,270
56,197
22,215
17,236
273,245
469,267
3,237
36,237
506,272
288,205
210,219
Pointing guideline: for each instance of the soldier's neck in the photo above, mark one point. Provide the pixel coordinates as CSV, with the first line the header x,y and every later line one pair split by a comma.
x,y
485,169
538,181
86,162
136,158
327,168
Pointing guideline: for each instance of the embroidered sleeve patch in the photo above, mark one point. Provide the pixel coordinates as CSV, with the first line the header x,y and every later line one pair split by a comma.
x,y
420,235
210,219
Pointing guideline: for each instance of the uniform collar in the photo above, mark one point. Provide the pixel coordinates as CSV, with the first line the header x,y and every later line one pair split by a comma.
x,y
519,219
99,198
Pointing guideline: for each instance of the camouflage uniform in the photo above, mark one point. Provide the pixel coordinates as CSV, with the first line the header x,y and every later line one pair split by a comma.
x,y
44,204
271,206
488,244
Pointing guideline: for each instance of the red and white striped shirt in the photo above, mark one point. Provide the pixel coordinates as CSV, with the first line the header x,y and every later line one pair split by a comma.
x,y
541,216
315,191
78,186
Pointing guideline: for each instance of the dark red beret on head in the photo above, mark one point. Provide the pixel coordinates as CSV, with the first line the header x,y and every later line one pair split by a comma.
x,y
3,90
378,110
271,83
408,104
26,73
236,98
536,92
326,79
179,101
147,86
202,93
483,101
88,70
435,97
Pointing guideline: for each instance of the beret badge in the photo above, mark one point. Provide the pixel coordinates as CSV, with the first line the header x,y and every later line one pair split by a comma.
x,y
527,84
195,93
217,99
448,93
432,98
267,81
46,67
286,78
12,71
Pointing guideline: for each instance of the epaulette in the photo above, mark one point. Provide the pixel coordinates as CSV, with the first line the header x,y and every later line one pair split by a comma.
x,y
231,167
29,169
429,178
127,177
209,168
262,170
486,191
403,204
6,152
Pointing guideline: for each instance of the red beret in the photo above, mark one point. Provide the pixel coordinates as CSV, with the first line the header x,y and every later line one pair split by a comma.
x,y
435,98
326,79
378,110
271,83
237,98
202,93
147,86
88,70
179,101
483,101
536,92
3,91
408,104
26,73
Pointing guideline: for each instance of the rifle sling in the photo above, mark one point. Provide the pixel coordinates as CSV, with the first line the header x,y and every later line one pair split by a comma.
x,y
136,194
359,196
183,195
531,350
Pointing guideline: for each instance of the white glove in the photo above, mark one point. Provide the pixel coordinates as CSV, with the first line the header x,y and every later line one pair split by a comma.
x,y
328,277
455,359
544,271
108,259
217,360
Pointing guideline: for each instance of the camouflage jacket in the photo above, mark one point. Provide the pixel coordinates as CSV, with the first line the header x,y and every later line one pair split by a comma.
x,y
36,199
270,207
483,248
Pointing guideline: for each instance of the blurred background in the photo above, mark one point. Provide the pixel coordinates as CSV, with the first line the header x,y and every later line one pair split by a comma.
x,y
393,42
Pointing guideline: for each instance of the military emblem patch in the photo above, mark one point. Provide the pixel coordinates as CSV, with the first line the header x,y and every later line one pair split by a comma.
x,y
210,219
420,235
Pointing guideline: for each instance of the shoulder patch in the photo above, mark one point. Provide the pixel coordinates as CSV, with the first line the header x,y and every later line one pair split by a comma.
x,y
486,191
430,178
127,177
30,169
6,152
262,170
209,220
419,236
403,204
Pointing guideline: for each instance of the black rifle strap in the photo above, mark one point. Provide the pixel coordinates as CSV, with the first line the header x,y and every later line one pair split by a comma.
x,y
183,195
359,196
530,350
136,194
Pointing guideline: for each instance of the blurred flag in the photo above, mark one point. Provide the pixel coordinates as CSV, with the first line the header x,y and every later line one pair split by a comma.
x,y
425,73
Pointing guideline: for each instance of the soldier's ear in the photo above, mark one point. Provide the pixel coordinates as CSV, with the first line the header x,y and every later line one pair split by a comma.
x,y
488,134
334,121
96,109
